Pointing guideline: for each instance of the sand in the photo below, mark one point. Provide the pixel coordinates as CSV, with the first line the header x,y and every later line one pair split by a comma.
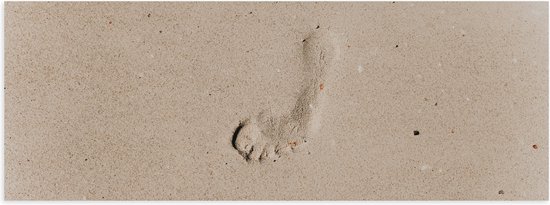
x,y
228,101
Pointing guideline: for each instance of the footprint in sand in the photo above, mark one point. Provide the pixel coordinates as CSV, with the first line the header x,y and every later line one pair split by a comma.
x,y
266,137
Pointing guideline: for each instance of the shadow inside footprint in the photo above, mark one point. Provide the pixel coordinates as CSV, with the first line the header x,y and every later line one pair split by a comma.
x,y
235,134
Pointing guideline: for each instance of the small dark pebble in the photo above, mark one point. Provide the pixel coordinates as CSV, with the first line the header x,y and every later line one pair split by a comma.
x,y
396,46
274,160
160,31
416,132
435,104
85,159
250,12
501,192
535,146
317,27
148,15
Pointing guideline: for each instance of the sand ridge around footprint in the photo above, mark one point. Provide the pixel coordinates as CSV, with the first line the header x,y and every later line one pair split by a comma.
x,y
264,136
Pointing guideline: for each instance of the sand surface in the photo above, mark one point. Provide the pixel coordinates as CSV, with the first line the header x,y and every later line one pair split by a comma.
x,y
141,101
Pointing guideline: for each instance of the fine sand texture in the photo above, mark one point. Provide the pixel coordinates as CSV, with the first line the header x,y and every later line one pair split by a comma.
x,y
276,101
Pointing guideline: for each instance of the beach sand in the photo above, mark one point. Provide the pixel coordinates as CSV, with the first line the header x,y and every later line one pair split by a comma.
x,y
164,101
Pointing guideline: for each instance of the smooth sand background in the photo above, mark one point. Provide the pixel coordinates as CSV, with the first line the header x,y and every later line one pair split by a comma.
x,y
140,100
